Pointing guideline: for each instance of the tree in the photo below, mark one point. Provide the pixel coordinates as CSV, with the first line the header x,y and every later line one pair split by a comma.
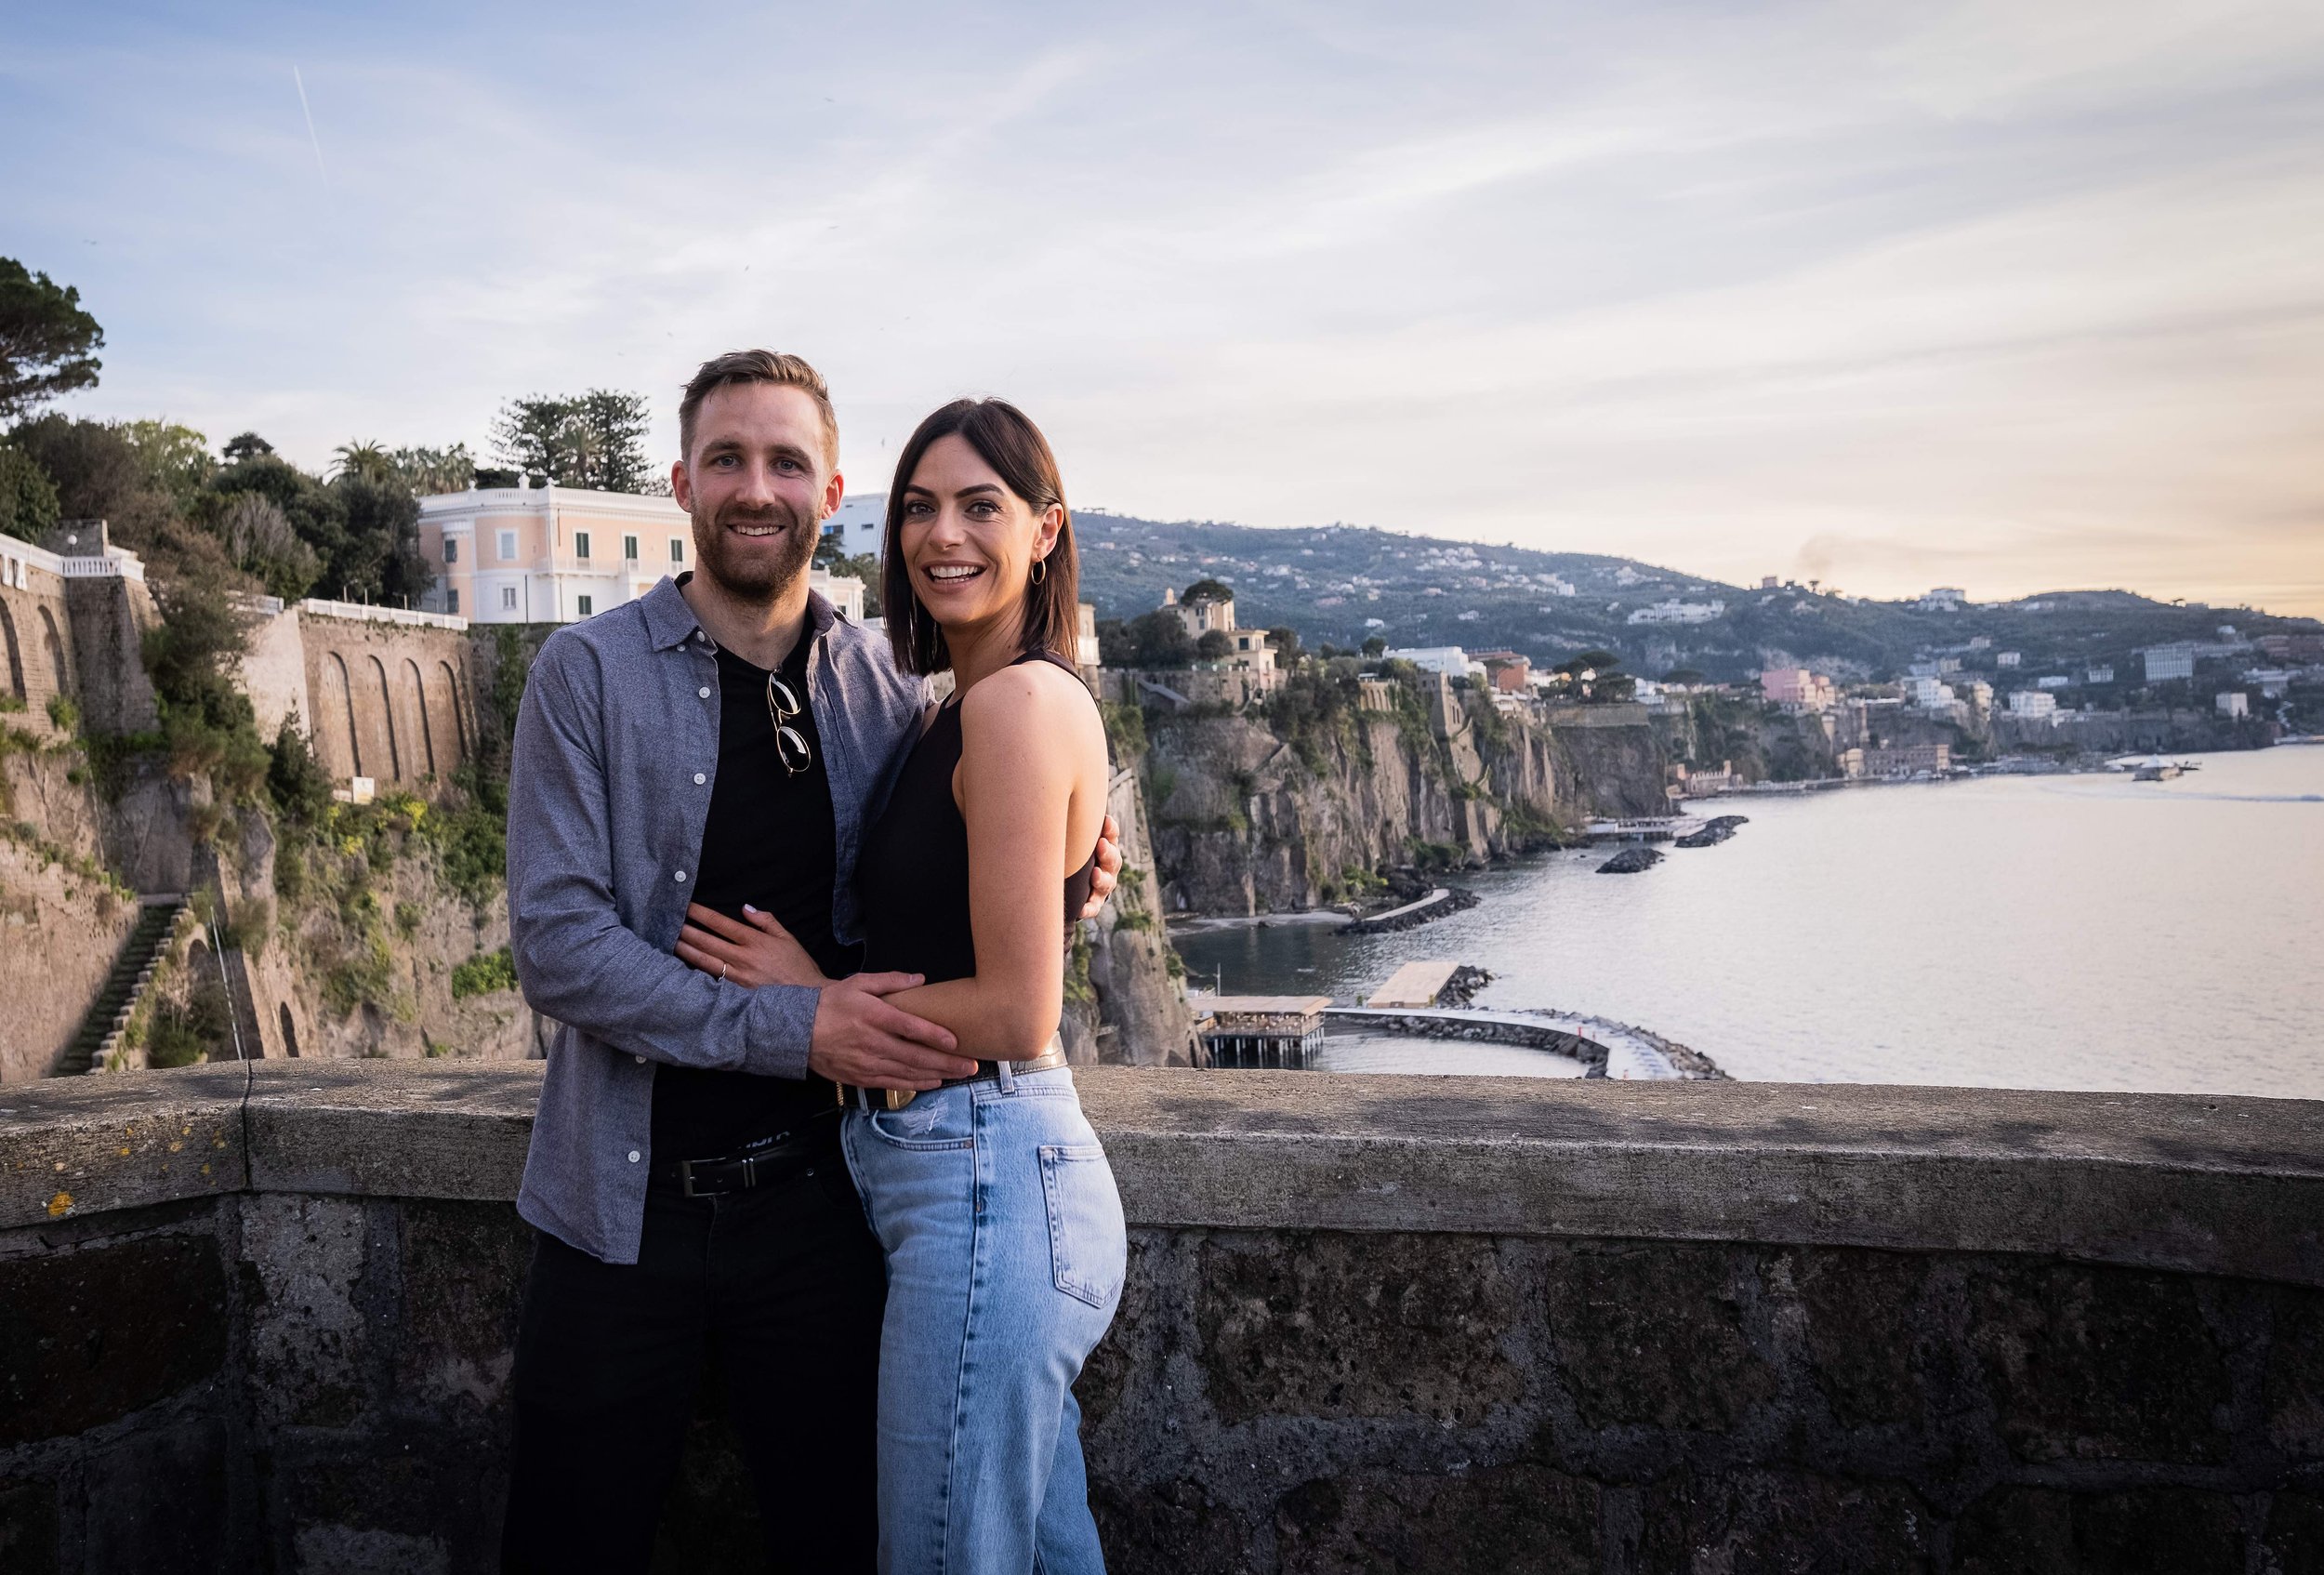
x,y
529,436
245,445
610,430
259,538
1161,640
594,440
317,513
47,341
28,499
1375,646
176,460
1285,640
1216,645
367,461
428,471
1117,646
99,475
381,556
1208,590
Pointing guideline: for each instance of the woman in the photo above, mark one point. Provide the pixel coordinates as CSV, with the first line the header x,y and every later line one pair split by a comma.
x,y
997,1182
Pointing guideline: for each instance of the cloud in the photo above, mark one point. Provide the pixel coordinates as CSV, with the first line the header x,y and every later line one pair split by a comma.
x,y
2015,297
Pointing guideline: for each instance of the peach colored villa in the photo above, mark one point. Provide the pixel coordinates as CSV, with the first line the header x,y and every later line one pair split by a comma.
x,y
554,555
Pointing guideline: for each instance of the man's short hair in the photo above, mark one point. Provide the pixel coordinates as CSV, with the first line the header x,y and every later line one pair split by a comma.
x,y
757,366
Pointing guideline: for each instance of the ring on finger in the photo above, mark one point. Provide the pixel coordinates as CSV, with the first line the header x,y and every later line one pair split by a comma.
x,y
722,967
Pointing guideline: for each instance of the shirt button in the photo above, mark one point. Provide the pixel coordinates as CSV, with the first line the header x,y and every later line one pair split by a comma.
x,y
704,692
700,779
641,1060
679,875
633,1156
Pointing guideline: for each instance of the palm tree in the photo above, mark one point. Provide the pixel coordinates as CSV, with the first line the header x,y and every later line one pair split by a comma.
x,y
366,462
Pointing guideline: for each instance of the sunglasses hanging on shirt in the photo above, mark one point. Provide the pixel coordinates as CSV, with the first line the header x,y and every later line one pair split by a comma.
x,y
790,744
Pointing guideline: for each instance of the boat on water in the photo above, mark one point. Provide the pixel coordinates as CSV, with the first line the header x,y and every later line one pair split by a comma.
x,y
2157,769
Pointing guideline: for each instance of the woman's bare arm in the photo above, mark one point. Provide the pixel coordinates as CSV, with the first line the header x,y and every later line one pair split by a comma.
x,y
1031,787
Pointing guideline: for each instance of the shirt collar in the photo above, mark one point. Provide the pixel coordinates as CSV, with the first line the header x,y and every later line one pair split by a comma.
x,y
670,622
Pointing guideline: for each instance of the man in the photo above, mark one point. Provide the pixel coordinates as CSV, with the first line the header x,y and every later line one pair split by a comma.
x,y
722,741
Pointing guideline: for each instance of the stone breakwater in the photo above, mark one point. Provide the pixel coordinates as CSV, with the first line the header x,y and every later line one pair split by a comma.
x,y
1604,1047
1411,916
260,1317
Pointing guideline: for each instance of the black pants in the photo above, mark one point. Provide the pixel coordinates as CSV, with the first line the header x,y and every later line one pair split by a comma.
x,y
784,1286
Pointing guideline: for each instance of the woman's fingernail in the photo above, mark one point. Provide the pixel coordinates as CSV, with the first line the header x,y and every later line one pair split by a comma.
x,y
747,909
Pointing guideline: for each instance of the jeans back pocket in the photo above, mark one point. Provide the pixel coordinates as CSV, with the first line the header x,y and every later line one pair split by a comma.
x,y
1088,1242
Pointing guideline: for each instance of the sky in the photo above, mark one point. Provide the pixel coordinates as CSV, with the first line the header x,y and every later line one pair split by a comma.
x,y
2002,296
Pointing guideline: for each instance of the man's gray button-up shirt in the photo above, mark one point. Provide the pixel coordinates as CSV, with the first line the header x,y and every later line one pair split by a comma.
x,y
602,838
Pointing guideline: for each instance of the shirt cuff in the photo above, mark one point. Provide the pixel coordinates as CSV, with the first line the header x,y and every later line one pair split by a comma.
x,y
781,1028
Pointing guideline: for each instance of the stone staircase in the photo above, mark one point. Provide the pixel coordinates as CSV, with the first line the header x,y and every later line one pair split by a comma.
x,y
132,970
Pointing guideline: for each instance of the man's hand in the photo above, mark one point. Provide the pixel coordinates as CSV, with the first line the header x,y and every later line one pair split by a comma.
x,y
1108,871
862,1040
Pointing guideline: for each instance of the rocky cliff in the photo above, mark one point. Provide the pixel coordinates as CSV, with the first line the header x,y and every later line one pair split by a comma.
x,y
1252,815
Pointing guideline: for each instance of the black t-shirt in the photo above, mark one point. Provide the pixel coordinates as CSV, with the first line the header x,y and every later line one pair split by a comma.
x,y
768,841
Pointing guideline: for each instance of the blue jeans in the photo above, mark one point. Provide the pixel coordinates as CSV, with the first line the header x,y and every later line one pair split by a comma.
x,y
1006,1250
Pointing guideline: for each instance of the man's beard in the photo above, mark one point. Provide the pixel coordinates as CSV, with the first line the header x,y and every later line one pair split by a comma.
x,y
759,577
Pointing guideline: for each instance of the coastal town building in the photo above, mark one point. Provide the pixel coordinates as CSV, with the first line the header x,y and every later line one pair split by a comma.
x,y
1375,694
1508,672
2166,662
2008,658
857,526
1796,689
1674,610
1451,661
554,555
2270,682
1905,760
2233,704
2033,703
2099,672
1930,694
1943,598
2053,681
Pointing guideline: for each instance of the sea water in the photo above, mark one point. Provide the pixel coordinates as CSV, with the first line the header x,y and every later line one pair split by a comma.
x,y
2050,932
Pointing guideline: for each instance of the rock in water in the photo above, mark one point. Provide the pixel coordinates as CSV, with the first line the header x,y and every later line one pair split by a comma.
x,y
1631,861
1713,831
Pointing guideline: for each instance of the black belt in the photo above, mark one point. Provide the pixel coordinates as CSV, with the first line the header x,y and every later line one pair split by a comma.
x,y
987,1072
768,1162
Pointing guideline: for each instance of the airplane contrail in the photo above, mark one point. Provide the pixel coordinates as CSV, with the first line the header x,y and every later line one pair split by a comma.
x,y
312,140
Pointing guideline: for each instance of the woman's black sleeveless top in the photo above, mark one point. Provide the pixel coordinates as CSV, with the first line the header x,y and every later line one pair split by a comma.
x,y
913,873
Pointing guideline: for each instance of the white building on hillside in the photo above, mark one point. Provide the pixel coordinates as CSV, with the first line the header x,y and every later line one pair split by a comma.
x,y
2034,704
1677,611
2168,662
859,525
1449,660
554,555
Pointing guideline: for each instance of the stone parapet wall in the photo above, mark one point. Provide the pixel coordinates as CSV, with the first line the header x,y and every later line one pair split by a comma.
x,y
261,1316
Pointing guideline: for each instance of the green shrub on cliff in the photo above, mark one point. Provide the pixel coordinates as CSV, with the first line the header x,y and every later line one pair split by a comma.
x,y
484,973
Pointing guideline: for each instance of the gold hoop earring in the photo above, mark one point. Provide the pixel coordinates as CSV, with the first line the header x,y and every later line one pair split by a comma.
x,y
1040,570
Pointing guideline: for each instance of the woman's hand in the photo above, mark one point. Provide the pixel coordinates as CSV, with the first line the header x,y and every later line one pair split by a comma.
x,y
760,952
1108,871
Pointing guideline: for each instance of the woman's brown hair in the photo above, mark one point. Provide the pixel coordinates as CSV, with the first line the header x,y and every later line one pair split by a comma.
x,y
1005,438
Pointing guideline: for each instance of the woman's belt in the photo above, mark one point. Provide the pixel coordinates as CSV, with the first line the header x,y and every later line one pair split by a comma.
x,y
1053,1056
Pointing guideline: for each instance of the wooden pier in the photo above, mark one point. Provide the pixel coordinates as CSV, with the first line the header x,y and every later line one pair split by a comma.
x,y
1259,1031
1415,983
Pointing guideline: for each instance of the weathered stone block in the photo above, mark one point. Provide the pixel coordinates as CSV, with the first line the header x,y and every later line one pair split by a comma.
x,y
1171,1528
2295,1374
395,1503
463,1285
1654,1334
1516,1519
1331,1324
1138,1342
1862,1332
90,1335
301,1260
2150,1531
2295,1534
157,1503
2090,1363
28,1527
1780,1522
